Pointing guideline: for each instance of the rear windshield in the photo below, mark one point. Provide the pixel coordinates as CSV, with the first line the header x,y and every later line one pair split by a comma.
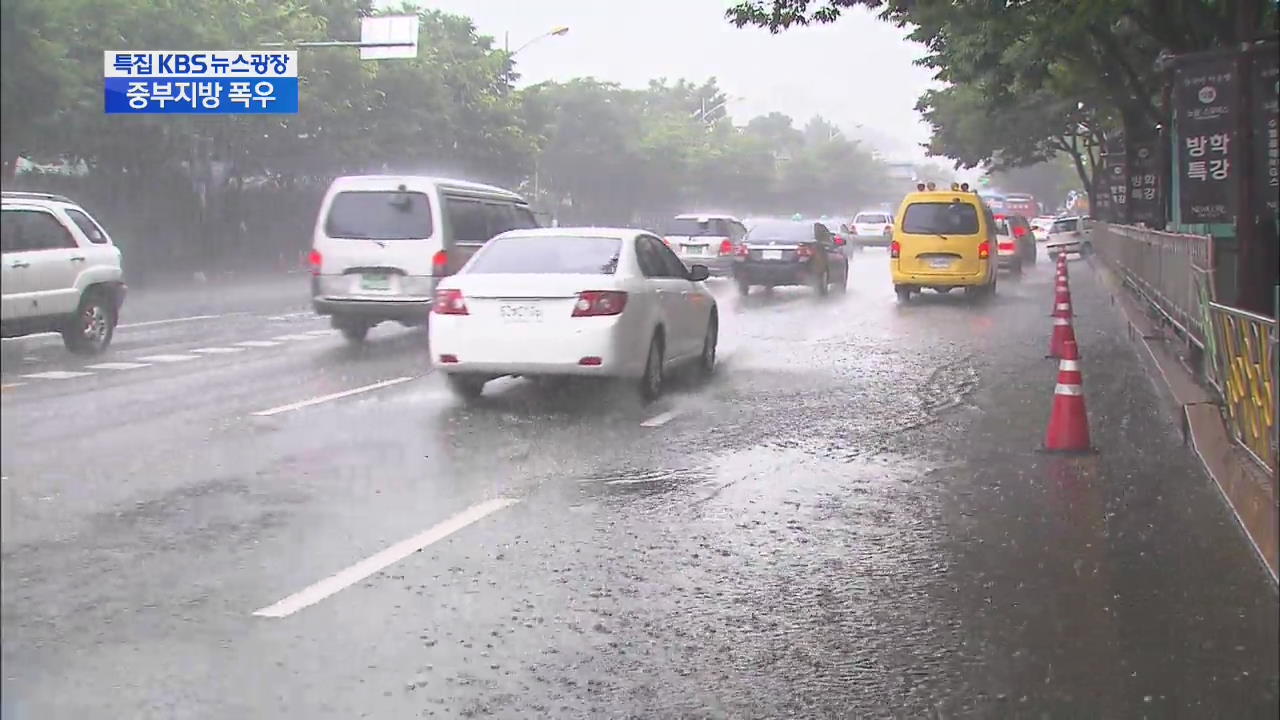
x,y
1002,226
695,228
1065,225
794,232
379,215
940,218
526,255
876,218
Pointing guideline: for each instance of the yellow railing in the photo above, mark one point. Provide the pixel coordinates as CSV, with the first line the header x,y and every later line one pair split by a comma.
x,y
1246,357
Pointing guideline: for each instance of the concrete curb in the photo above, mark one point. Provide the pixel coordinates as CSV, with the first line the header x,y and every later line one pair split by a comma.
x,y
1244,486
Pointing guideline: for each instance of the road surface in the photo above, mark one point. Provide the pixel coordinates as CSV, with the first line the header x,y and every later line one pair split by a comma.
x,y
233,514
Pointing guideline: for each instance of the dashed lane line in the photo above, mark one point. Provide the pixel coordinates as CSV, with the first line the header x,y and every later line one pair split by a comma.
x,y
168,358
660,420
117,366
57,375
257,343
219,350
296,336
346,578
332,396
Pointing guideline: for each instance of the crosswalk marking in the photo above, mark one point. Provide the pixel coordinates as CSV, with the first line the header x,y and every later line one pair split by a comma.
x,y
169,358
117,366
218,350
56,375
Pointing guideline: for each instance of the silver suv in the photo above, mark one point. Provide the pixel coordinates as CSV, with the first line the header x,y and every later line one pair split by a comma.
x,y
59,272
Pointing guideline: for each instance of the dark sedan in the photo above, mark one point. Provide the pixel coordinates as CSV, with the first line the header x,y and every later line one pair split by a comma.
x,y
783,252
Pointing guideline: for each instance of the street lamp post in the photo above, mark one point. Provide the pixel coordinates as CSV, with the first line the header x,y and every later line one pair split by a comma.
x,y
506,39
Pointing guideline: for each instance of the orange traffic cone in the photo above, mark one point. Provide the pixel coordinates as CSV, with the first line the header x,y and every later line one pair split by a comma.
x,y
1063,333
1068,429
1062,301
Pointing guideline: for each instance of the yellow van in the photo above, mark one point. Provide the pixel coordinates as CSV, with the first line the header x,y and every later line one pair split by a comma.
x,y
943,239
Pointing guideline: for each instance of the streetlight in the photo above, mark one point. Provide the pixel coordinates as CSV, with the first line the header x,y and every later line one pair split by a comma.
x,y
506,39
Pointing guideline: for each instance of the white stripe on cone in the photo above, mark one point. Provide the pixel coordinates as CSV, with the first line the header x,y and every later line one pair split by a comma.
x,y
1061,389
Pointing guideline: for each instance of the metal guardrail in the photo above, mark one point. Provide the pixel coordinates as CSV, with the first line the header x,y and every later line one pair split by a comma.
x,y
1247,358
1173,271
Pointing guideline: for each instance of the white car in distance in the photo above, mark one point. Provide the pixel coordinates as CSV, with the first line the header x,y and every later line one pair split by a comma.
x,y
595,302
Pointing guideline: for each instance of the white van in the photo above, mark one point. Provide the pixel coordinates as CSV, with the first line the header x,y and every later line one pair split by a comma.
x,y
382,242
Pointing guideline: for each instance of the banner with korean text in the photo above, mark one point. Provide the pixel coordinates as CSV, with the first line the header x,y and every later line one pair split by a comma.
x,y
1206,96
204,82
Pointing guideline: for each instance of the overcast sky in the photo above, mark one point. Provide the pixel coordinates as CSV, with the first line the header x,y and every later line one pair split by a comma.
x,y
858,71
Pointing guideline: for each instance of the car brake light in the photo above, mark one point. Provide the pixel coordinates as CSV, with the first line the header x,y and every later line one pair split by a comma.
x,y
726,247
895,249
804,251
1006,246
449,302
440,264
1019,231
743,251
984,250
596,303
314,260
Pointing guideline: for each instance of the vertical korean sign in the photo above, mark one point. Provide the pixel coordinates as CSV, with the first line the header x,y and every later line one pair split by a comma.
x,y
1116,180
1146,201
1265,83
1206,92
218,82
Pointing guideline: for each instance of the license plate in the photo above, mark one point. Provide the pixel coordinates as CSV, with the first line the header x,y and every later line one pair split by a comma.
x,y
695,250
940,263
771,254
520,313
375,282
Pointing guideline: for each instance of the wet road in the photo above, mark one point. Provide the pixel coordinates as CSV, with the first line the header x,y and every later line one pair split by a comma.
x,y
850,520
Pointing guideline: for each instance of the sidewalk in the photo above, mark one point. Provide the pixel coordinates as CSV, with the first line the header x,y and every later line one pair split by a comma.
x,y
1246,487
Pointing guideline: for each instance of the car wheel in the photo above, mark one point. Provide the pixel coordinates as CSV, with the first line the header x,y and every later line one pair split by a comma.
x,y
843,286
1017,268
904,294
90,332
744,287
465,387
354,331
652,382
707,363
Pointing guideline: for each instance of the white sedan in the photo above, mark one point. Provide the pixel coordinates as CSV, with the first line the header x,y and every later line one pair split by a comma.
x,y
598,302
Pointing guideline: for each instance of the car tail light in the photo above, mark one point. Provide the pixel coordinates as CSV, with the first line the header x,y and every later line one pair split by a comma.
x,y
984,250
895,249
804,251
591,361
743,251
448,359
596,303
449,302
314,260
1000,217
440,264
1007,246
726,247
1019,231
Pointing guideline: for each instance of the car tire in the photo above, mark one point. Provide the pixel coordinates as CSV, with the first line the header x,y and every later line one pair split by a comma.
x,y
354,331
652,381
465,387
744,287
843,286
94,324
707,361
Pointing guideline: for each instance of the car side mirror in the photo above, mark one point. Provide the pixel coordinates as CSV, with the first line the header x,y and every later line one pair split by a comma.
x,y
698,273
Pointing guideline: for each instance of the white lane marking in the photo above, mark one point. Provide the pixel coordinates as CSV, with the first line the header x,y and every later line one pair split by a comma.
x,y
333,396
57,375
170,321
10,386
659,420
218,350
290,316
326,331
296,336
117,366
257,343
169,358
372,564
